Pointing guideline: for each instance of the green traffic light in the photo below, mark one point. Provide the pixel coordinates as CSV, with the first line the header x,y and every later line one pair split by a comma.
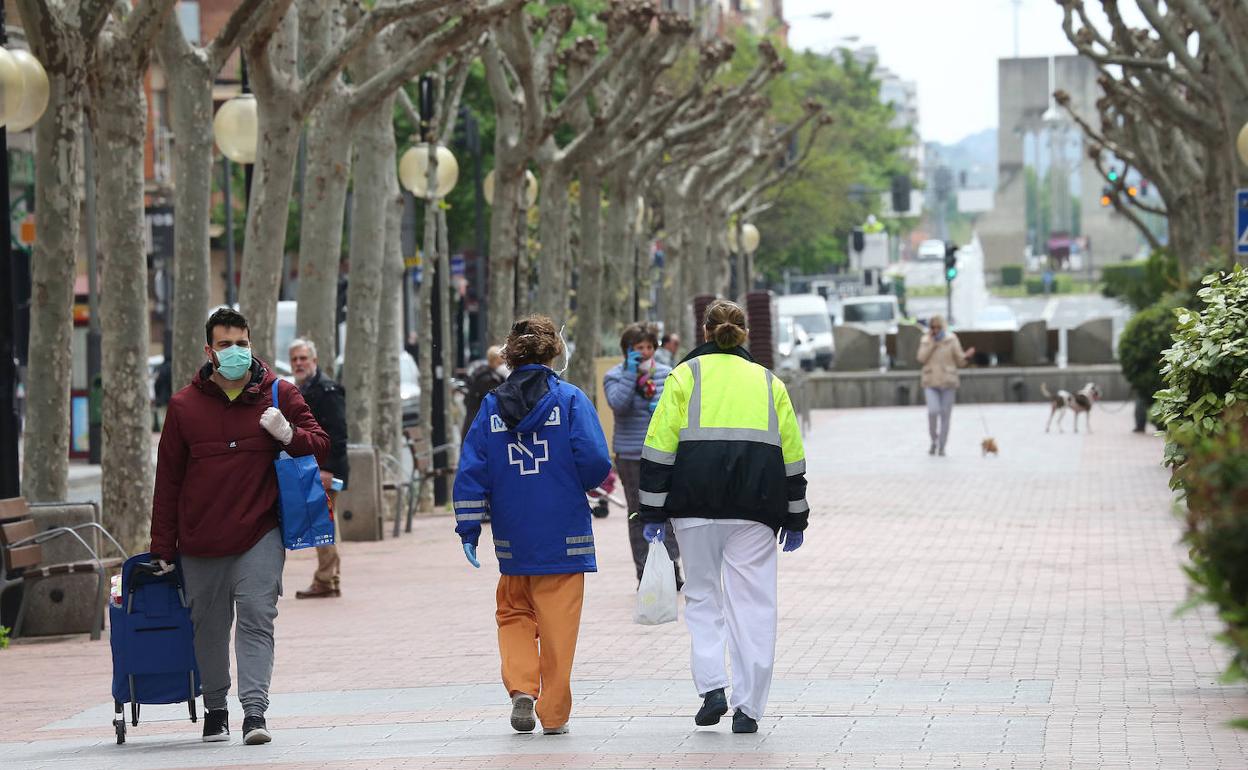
x,y
1113,176
951,273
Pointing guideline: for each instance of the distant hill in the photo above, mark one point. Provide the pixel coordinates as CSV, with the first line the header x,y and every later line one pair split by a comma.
x,y
975,154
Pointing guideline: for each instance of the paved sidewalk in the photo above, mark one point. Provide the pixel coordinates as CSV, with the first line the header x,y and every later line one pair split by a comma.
x,y
1001,612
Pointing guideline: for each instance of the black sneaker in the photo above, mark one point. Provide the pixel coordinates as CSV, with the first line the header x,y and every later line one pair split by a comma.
x,y
742,723
255,731
216,726
714,706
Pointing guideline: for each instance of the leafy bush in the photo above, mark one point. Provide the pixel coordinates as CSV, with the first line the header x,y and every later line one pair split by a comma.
x,y
1206,370
1143,340
1011,275
4,637
1142,282
1062,284
1215,484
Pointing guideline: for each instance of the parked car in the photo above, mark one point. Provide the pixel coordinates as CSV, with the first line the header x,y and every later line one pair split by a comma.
x,y
810,311
932,250
874,314
996,318
794,348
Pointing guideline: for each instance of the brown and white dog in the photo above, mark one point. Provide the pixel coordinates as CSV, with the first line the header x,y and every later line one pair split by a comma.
x,y
1079,402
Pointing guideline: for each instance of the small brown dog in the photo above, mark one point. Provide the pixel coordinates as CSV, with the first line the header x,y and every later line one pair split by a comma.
x,y
988,446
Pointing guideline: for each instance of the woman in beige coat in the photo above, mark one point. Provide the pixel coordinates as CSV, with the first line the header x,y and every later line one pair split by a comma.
x,y
941,355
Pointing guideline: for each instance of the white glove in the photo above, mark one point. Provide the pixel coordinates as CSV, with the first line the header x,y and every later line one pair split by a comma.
x,y
276,424
165,567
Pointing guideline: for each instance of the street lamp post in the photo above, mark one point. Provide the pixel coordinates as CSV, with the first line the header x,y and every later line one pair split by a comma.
x,y
236,130
25,98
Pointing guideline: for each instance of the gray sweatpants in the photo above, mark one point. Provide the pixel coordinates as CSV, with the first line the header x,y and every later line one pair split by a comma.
x,y
248,584
939,410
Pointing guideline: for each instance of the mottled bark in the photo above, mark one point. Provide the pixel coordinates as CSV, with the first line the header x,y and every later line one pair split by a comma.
x,y
589,291
554,225
374,159
388,427
63,50
619,256
505,248
118,133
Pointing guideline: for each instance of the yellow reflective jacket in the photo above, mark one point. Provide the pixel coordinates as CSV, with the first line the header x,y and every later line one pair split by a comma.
x,y
724,444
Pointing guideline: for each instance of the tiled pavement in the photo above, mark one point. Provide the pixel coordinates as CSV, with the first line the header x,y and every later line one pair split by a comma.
x,y
1007,612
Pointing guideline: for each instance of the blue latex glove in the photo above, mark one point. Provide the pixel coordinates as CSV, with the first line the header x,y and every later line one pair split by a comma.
x,y
652,405
632,361
470,552
653,533
791,540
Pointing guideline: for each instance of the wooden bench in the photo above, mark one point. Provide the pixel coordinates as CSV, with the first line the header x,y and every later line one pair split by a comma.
x,y
21,549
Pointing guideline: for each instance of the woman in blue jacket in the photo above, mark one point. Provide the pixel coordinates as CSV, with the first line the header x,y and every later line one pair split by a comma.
x,y
532,452
633,388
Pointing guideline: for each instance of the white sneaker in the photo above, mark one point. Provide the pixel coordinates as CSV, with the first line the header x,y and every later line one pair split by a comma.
x,y
522,719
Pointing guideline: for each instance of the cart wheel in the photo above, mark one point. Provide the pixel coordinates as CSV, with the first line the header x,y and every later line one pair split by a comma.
x,y
120,726
601,510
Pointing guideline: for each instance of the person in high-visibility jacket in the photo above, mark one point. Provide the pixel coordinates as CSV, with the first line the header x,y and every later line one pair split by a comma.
x,y
723,460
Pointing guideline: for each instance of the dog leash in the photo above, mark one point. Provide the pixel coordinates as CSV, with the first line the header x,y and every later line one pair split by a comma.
x,y
1121,406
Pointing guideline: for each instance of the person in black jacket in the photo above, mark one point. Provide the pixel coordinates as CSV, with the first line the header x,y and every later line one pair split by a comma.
x,y
483,379
328,402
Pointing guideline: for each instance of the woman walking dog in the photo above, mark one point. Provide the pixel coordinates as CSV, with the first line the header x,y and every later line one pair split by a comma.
x,y
941,354
723,460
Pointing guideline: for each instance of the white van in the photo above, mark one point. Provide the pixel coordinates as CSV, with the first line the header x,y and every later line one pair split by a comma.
x,y
810,311
873,313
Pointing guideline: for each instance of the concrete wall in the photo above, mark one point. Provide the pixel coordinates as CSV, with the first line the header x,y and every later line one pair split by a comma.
x,y
843,390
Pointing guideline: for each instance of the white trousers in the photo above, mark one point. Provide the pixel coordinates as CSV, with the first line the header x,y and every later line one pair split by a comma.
x,y
730,602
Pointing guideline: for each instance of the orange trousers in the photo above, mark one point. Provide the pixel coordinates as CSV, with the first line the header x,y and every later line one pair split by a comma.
x,y
539,618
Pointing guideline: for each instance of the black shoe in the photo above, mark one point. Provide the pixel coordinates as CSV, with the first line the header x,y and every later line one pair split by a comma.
x,y
742,723
255,731
714,706
216,726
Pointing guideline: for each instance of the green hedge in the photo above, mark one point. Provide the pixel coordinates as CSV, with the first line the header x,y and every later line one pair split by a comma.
x,y
1142,282
1145,337
1011,275
1202,409
1061,285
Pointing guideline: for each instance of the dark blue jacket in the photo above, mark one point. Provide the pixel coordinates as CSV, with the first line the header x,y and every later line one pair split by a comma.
x,y
533,450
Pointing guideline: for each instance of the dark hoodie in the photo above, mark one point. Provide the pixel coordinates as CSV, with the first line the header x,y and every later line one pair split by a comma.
x,y
216,490
519,397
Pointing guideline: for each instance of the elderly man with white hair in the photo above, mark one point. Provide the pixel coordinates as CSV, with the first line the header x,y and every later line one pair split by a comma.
x,y
328,402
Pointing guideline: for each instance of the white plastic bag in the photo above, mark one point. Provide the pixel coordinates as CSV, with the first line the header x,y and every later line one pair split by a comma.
x,y
656,599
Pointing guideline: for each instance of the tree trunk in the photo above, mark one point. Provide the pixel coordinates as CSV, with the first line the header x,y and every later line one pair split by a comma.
x,y
425,334
119,130
618,256
554,226
190,107
589,291
58,199
448,349
374,159
505,256
320,239
388,427
674,300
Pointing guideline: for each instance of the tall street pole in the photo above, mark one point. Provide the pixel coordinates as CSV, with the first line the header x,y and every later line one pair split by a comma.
x,y
95,436
437,310
230,294
10,479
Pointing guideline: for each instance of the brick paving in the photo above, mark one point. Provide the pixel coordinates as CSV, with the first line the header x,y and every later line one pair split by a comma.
x,y
957,612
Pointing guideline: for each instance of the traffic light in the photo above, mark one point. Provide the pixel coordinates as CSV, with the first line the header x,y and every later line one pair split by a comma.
x,y
1106,192
901,193
1132,191
1112,175
951,261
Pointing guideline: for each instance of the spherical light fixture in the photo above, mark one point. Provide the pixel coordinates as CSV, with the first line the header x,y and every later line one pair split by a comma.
x,y
34,92
236,128
750,238
530,188
12,87
414,171
1241,143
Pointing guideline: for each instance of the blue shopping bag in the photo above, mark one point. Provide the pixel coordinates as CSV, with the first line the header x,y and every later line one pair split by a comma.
x,y
307,521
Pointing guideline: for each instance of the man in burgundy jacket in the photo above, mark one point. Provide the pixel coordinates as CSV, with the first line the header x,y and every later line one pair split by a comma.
x,y
215,508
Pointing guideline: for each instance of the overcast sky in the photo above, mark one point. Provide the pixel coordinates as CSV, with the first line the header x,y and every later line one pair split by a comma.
x,y
949,47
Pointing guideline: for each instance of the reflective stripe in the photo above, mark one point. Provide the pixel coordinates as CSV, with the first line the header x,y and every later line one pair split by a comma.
x,y
794,469
695,396
695,431
469,504
580,551
579,539
731,434
658,456
502,543
798,506
502,554
470,516
655,499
